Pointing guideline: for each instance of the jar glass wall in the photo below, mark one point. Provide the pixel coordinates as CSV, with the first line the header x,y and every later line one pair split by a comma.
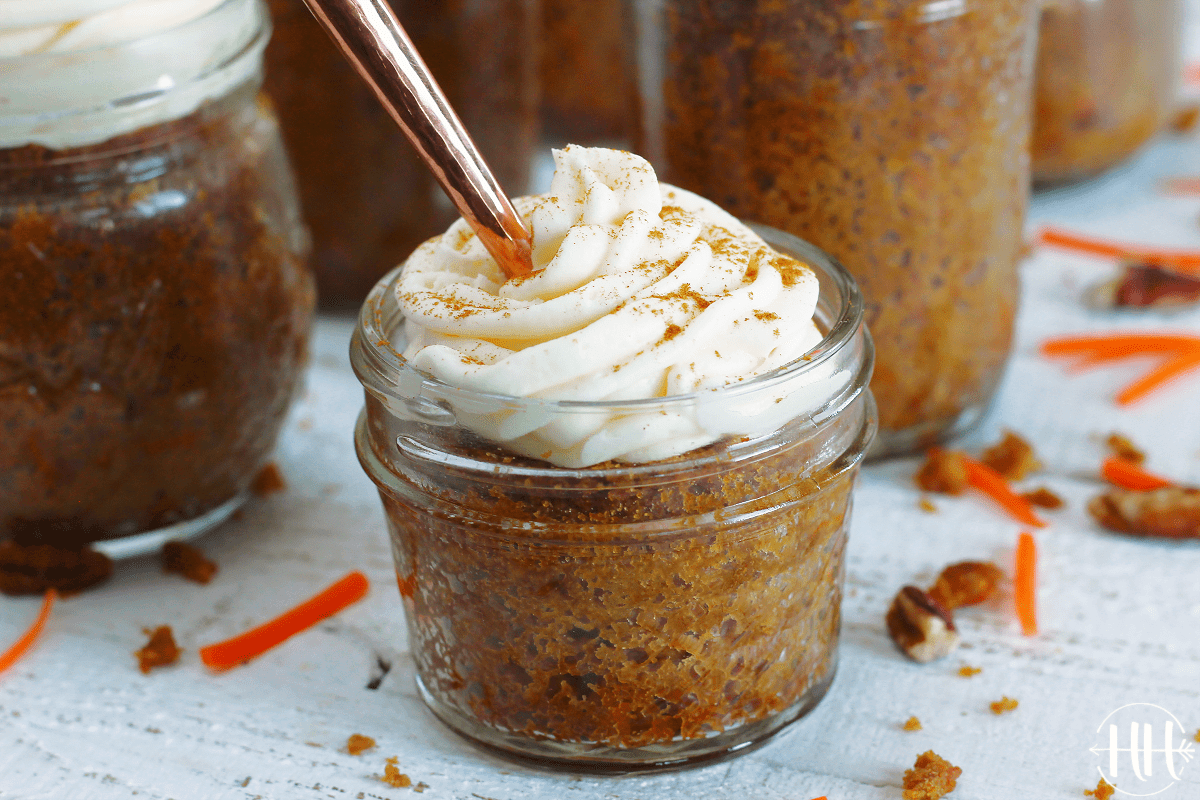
x,y
1107,76
622,615
892,134
156,303
367,197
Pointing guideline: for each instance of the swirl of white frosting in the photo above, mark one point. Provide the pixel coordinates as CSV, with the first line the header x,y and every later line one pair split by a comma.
x,y
640,290
78,72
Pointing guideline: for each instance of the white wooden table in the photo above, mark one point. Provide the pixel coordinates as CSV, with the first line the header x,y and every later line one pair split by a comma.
x,y
1120,618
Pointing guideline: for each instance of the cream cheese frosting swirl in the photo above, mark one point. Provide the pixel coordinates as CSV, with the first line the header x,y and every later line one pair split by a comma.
x,y
79,72
640,290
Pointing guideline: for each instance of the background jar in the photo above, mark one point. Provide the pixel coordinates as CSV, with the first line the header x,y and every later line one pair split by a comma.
x,y
367,198
156,305
1108,73
624,614
892,134
587,73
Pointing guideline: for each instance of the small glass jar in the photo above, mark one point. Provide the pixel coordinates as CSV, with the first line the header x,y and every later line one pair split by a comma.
x,y
892,134
622,615
587,73
367,198
155,305
1107,76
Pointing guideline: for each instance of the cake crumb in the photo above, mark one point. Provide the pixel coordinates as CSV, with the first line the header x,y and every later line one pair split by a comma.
x,y
268,480
1103,790
913,724
966,671
926,505
34,568
392,775
943,472
1012,457
420,787
1197,737
1004,705
1042,497
1123,447
357,744
160,651
931,777
184,559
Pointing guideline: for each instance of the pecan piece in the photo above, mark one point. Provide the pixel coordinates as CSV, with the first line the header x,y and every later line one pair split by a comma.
x,y
1043,497
965,584
943,472
921,626
1012,457
188,561
1169,513
1145,285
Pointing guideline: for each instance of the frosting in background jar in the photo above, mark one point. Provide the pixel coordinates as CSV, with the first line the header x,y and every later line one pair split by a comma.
x,y
79,72
641,290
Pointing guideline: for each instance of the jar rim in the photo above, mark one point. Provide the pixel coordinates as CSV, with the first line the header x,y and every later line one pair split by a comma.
x,y
386,373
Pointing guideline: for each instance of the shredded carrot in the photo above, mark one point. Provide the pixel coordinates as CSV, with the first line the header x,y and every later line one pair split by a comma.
x,y
1025,583
255,642
1124,473
1158,377
1180,260
992,483
1182,352
1120,345
21,646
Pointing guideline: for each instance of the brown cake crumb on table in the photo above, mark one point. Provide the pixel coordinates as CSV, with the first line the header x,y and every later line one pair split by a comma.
x,y
931,778
357,744
943,472
392,775
160,651
189,561
1043,497
1012,457
967,671
1122,446
926,505
268,480
1103,791
966,583
34,568
1004,705
912,724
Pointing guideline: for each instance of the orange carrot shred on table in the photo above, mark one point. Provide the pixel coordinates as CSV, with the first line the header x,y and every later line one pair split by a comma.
x,y
1181,260
1025,584
22,645
1120,345
255,642
1160,376
992,483
1124,473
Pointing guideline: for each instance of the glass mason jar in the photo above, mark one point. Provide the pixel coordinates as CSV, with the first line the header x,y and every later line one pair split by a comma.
x,y
622,615
155,305
1107,76
892,134
367,198
587,73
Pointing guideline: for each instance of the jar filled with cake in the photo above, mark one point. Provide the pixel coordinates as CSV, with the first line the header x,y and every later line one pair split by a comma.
x,y
1107,76
587,72
155,302
892,134
366,197
618,489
